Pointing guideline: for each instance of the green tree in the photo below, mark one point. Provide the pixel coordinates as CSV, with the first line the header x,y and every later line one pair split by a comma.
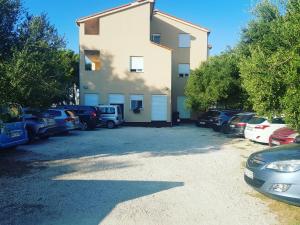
x,y
40,71
216,83
270,65
10,11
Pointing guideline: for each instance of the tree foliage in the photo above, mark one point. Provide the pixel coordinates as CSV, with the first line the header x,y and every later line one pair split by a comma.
x,y
270,68
39,70
216,83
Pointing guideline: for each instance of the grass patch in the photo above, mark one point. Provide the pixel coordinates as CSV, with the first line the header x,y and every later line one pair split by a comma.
x,y
287,214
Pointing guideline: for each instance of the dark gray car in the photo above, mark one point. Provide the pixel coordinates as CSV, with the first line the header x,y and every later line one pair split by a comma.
x,y
275,172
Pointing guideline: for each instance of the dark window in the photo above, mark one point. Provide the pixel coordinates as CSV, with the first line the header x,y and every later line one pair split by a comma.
x,y
155,38
11,113
108,110
54,113
257,120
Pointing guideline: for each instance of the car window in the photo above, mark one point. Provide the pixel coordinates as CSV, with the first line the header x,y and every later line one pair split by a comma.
x,y
54,113
257,120
69,113
278,121
245,119
236,119
10,113
107,110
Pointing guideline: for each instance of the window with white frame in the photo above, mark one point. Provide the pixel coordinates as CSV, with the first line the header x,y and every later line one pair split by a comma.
x,y
183,70
155,38
137,64
184,41
136,102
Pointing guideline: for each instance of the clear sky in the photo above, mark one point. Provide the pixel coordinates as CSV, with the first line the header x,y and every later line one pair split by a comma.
x,y
225,18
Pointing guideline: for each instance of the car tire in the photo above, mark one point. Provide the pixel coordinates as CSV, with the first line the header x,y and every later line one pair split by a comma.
x,y
84,126
110,124
31,135
216,128
224,129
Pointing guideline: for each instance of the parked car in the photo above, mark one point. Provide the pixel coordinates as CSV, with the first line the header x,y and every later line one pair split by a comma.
x,y
206,119
111,115
259,129
89,115
66,119
38,125
220,120
275,172
237,124
12,126
283,136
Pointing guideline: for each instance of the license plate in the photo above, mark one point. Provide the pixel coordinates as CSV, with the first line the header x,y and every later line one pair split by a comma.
x,y
15,134
232,126
275,142
249,128
249,173
202,123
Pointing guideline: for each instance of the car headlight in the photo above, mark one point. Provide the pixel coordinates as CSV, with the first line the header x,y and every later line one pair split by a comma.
x,y
288,166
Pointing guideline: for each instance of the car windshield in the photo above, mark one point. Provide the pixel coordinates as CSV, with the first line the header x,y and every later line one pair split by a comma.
x,y
257,120
10,113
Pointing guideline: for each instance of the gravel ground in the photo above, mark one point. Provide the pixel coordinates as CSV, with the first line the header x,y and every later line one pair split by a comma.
x,y
127,176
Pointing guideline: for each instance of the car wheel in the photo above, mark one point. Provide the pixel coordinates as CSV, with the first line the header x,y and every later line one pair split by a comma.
x,y
31,135
224,129
110,124
84,126
216,128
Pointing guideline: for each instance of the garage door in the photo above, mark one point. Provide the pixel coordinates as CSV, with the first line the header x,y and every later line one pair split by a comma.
x,y
159,107
91,99
116,99
184,113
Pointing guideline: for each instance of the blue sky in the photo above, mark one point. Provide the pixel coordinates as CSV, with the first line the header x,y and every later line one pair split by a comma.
x,y
225,18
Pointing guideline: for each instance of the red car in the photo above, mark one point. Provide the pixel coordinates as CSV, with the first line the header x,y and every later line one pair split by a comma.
x,y
283,136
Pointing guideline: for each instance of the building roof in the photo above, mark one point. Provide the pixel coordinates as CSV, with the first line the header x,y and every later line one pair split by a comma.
x,y
138,3
156,11
114,10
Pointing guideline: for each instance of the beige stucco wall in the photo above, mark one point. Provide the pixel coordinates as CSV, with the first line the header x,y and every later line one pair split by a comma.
x,y
125,34
197,53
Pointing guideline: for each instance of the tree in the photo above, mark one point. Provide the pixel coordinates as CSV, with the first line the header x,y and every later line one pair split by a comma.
x,y
10,11
216,83
270,69
40,72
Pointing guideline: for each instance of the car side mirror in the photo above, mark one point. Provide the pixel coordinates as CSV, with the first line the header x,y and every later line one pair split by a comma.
x,y
297,139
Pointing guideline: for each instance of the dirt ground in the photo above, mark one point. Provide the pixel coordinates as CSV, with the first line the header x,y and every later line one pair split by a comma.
x,y
127,176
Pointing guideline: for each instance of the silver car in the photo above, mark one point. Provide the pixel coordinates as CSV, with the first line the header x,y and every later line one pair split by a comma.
x,y
111,115
275,172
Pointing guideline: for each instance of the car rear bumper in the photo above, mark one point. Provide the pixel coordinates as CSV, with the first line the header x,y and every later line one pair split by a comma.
x,y
274,140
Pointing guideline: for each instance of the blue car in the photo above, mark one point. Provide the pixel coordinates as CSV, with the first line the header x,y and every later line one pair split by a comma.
x,y
12,126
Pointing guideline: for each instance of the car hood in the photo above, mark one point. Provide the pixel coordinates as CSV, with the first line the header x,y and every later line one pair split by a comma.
x,y
281,153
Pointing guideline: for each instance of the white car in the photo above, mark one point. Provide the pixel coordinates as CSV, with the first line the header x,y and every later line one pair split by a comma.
x,y
259,129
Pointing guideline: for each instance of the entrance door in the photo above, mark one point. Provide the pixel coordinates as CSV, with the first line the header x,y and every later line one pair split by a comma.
x,y
91,99
117,99
159,107
184,113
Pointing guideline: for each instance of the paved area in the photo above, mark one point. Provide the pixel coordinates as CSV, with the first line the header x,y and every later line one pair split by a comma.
x,y
180,175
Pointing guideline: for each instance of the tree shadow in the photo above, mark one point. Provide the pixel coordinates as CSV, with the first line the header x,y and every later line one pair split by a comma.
x,y
72,201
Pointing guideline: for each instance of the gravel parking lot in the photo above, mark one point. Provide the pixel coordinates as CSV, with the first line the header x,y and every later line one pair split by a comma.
x,y
180,175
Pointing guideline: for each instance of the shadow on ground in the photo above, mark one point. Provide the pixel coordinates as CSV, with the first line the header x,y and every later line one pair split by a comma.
x,y
31,194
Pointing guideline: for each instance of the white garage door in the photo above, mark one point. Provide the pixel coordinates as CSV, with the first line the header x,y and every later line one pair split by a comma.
x,y
116,99
184,113
91,99
159,107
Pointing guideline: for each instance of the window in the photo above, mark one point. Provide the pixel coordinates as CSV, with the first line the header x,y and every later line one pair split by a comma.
x,y
184,41
107,110
136,102
92,60
91,27
184,70
155,38
137,64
